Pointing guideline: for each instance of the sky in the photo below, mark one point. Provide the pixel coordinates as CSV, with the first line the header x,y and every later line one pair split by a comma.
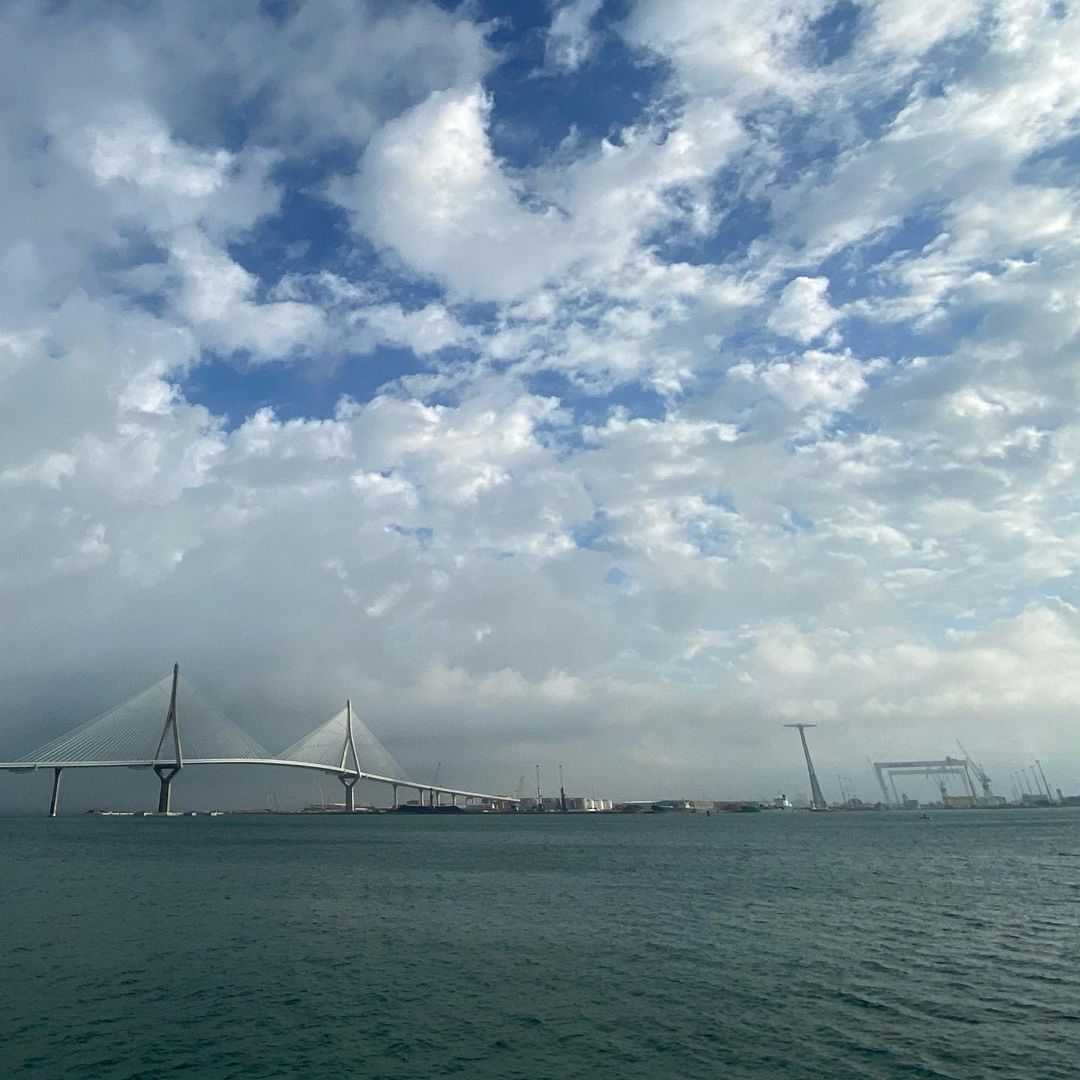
x,y
603,383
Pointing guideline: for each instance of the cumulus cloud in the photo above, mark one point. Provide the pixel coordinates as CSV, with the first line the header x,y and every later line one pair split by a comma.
x,y
431,189
803,311
363,320
134,146
216,298
817,380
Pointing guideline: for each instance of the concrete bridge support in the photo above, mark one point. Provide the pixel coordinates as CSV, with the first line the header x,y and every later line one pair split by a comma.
x,y
348,783
165,774
54,803
394,804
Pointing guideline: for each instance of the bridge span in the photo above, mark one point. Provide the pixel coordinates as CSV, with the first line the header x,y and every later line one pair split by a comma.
x,y
124,737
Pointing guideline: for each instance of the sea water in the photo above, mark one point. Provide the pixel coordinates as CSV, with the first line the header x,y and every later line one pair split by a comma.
x,y
663,945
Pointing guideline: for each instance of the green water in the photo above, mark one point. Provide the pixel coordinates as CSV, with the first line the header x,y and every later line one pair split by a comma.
x,y
786,945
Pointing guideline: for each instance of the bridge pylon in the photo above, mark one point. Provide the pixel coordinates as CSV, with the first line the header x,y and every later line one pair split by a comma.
x,y
348,751
167,769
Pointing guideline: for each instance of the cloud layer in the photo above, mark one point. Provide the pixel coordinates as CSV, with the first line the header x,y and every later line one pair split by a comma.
x,y
373,352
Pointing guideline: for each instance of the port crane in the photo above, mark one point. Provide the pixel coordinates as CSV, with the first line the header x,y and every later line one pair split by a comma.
x,y
980,775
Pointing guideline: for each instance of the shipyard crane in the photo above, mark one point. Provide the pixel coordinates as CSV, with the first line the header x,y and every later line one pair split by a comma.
x,y
1045,784
983,779
943,767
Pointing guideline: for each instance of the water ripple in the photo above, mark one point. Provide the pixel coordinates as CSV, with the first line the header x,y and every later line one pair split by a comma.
x,y
741,946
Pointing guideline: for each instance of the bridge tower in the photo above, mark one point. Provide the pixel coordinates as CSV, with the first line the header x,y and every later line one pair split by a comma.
x,y
349,779
167,769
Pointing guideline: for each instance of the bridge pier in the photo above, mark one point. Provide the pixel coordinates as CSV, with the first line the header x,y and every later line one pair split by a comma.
x,y
348,783
54,802
394,804
165,774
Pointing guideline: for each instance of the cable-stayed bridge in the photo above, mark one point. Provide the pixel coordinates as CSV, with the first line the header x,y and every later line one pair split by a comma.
x,y
170,726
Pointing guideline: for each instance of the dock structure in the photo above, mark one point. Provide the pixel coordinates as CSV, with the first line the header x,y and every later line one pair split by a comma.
x,y
132,735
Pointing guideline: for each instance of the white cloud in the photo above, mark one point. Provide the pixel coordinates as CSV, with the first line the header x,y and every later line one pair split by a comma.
x,y
735,49
363,322
431,189
903,28
425,330
817,380
216,297
803,311
569,39
134,146
49,471
783,650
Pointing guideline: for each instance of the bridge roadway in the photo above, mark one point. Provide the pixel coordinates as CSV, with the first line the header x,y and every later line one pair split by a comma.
x,y
343,774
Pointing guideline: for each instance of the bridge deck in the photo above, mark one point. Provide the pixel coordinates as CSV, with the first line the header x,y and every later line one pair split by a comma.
x,y
329,770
